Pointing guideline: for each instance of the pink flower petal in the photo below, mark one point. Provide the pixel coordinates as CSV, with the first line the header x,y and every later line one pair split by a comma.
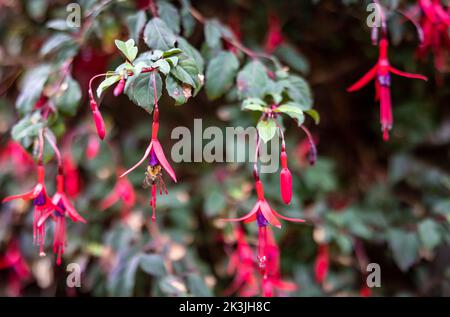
x,y
162,159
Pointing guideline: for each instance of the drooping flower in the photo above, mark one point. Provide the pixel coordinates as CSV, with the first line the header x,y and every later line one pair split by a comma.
x,y
66,208
72,179
19,269
157,162
98,119
285,179
242,266
274,35
119,87
381,72
436,39
322,263
93,147
123,191
16,159
42,205
272,282
262,212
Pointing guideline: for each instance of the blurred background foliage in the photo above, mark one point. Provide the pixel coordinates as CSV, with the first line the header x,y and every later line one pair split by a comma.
x,y
365,200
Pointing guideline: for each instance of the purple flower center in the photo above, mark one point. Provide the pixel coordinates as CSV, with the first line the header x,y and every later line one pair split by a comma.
x,y
153,160
39,200
384,80
261,220
62,207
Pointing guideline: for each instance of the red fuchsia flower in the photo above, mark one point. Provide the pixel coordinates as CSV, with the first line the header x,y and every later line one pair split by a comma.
x,y
381,72
435,23
93,147
285,179
119,87
98,119
365,291
262,212
15,155
66,208
42,205
20,272
274,35
322,263
272,282
72,179
123,191
157,162
242,266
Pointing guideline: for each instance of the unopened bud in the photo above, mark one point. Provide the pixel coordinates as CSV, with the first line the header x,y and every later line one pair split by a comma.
x,y
119,87
99,124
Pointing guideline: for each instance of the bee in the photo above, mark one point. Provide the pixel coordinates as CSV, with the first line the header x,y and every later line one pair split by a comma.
x,y
153,177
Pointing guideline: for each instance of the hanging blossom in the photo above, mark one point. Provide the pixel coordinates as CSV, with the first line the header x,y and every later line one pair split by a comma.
x,y
274,36
123,191
66,208
322,263
264,215
157,161
271,273
434,22
14,261
242,266
42,205
16,159
381,72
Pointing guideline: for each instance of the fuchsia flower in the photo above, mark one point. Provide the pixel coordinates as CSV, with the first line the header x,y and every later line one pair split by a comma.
x,y
59,216
72,179
285,179
262,212
271,272
20,272
119,87
435,23
42,205
381,72
93,147
123,191
242,265
322,263
17,158
274,35
156,163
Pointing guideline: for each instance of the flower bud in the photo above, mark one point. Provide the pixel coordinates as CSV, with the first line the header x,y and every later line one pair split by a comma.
x,y
99,124
119,87
286,185
285,180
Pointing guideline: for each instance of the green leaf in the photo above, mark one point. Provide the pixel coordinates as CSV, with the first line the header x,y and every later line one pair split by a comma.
x,y
105,84
55,42
172,286
152,264
252,80
429,234
28,126
136,23
293,111
314,115
214,203
171,52
267,129
197,286
293,58
158,36
187,20
31,87
220,74
299,91
187,72
169,14
163,66
175,90
213,33
67,101
405,248
140,90
254,104
192,52
128,49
